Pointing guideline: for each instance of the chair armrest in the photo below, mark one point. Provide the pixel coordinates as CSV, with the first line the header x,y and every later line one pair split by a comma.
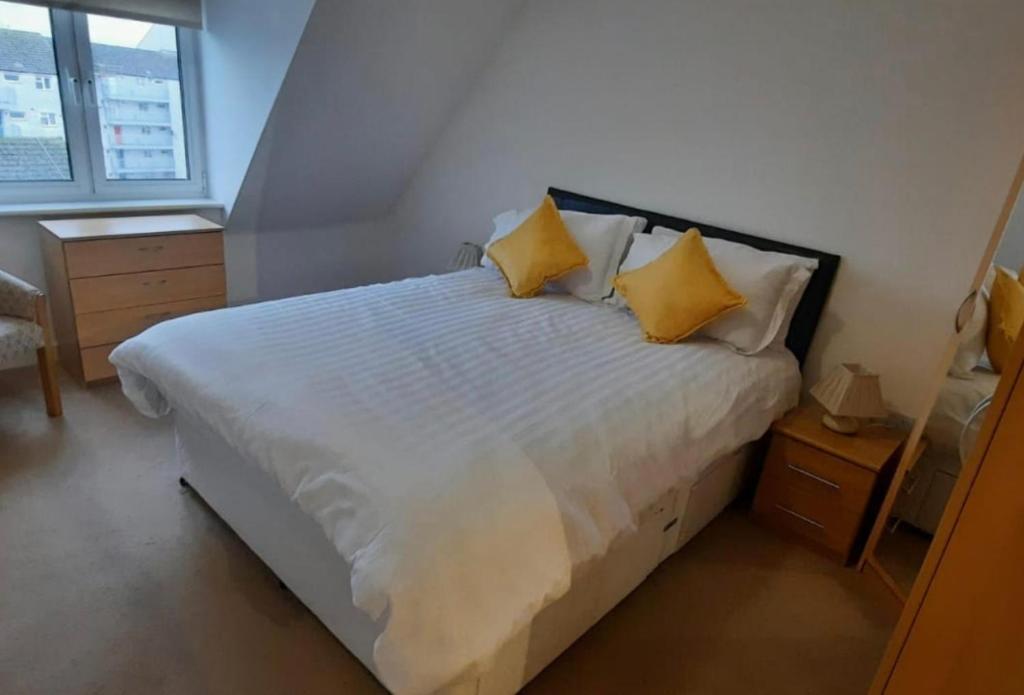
x,y
17,297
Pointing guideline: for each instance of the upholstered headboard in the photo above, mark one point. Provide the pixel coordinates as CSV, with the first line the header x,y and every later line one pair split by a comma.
x,y
808,313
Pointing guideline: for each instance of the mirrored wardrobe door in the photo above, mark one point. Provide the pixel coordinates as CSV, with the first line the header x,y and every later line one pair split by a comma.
x,y
984,330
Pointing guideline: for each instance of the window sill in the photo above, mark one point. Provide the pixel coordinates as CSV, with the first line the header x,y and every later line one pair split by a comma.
x,y
102,206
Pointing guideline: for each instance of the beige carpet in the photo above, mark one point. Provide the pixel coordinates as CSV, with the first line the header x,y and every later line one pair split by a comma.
x,y
114,580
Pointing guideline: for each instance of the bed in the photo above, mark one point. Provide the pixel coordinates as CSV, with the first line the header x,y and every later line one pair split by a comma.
x,y
456,483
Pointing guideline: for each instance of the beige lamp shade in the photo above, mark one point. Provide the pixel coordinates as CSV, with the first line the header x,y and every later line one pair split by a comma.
x,y
467,256
850,391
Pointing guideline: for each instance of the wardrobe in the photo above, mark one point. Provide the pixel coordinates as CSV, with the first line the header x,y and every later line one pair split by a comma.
x,y
962,628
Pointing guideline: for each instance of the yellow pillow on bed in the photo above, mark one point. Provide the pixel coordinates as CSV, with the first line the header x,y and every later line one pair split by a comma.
x,y
1006,317
679,292
540,250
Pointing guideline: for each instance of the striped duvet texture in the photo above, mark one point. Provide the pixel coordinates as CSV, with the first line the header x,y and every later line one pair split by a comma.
x,y
460,448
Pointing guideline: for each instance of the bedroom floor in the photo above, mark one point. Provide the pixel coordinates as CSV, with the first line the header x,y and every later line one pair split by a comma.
x,y
115,580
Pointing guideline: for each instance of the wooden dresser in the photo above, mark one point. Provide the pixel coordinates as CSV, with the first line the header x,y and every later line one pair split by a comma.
x,y
111,278
822,487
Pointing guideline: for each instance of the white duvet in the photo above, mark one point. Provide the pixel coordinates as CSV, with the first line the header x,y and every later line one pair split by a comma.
x,y
461,449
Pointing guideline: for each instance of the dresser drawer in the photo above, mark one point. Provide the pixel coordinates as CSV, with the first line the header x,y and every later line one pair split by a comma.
x,y
103,327
139,254
813,494
143,289
95,363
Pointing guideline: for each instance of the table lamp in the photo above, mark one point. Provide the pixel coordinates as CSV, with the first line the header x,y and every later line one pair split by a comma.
x,y
849,394
467,256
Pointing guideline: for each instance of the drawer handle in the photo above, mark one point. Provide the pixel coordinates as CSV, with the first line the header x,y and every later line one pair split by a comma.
x,y
816,478
801,517
148,283
154,249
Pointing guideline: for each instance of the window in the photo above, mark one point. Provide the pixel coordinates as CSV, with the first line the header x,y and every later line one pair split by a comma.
x,y
112,102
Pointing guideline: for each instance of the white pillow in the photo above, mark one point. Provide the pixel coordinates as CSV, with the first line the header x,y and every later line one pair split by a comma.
x,y
791,297
644,249
504,224
602,238
773,284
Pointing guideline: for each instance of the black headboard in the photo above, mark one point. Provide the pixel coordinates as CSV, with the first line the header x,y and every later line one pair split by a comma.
x,y
808,313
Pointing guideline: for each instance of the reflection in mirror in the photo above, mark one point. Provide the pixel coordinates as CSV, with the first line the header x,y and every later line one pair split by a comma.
x,y
954,422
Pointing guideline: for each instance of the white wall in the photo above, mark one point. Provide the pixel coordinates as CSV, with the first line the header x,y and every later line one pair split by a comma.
x,y
1011,250
370,87
245,49
19,249
885,132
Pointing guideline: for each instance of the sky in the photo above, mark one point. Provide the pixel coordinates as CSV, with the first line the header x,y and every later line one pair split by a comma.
x,y
108,30
24,17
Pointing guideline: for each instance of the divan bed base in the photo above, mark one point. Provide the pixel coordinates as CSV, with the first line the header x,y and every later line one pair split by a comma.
x,y
298,552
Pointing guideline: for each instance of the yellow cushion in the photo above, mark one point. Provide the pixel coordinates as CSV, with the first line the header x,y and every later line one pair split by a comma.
x,y
1006,316
679,292
540,250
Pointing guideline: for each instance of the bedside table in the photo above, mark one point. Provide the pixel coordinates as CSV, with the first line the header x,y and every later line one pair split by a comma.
x,y
822,487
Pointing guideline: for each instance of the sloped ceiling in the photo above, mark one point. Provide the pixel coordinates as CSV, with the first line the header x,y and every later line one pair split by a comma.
x,y
370,87
245,50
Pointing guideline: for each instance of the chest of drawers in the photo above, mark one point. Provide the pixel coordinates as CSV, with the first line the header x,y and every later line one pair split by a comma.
x,y
111,278
821,487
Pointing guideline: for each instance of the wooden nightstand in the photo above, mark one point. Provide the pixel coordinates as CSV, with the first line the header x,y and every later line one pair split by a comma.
x,y
823,487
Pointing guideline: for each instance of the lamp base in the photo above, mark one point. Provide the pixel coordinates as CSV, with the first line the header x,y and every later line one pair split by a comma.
x,y
840,424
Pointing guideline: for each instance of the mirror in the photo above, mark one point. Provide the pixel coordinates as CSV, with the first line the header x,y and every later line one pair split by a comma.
x,y
988,322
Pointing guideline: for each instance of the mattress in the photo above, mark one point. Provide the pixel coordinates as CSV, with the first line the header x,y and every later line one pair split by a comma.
x,y
460,449
298,552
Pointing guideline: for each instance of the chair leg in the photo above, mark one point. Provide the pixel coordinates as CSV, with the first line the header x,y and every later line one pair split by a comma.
x,y
48,375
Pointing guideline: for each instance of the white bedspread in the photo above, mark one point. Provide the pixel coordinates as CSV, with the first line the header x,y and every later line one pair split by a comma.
x,y
461,449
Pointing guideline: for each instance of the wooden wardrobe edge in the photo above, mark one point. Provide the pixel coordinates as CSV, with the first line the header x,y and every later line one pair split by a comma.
x,y
1012,378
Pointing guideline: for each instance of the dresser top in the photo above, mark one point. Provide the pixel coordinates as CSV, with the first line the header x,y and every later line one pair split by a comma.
x,y
117,227
870,448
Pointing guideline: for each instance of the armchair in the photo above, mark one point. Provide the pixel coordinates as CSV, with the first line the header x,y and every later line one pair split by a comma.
x,y
25,326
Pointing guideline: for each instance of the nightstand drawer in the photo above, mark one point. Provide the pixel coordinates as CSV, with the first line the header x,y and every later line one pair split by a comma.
x,y
815,472
813,494
140,254
141,289
810,514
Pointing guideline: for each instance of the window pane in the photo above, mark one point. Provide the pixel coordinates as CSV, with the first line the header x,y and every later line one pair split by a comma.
x,y
138,92
33,143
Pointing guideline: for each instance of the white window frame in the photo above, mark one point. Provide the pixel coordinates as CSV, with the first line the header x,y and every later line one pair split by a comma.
x,y
76,82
